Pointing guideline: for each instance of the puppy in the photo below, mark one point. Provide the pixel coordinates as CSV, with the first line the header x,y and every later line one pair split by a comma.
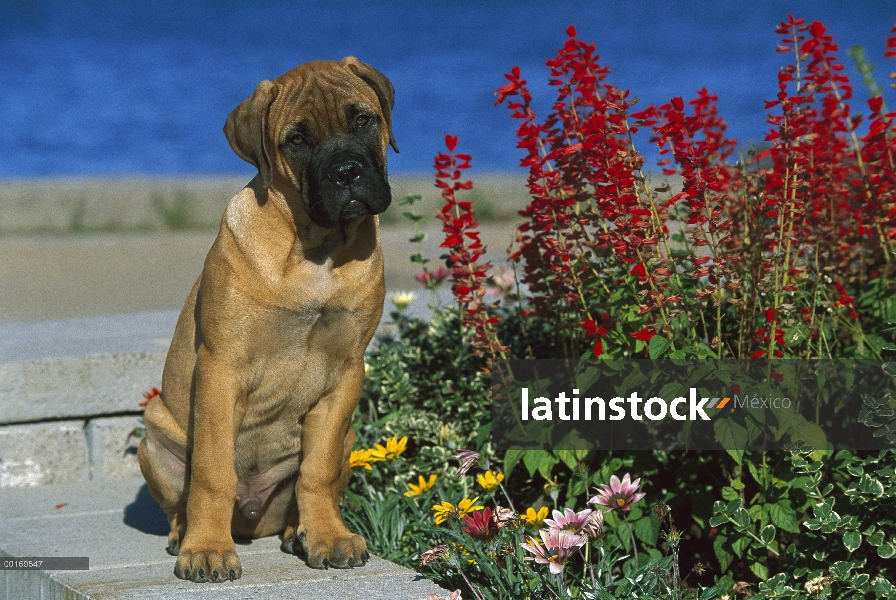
x,y
252,433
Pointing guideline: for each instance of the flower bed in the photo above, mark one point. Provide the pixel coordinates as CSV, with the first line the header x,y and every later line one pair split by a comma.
x,y
785,251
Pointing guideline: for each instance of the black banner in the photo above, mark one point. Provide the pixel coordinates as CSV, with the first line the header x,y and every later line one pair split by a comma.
x,y
693,404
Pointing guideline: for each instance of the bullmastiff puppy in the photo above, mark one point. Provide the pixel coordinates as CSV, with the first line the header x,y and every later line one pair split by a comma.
x,y
252,433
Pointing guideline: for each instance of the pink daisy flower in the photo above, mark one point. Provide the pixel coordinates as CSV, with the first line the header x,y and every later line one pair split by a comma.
x,y
558,546
569,519
619,494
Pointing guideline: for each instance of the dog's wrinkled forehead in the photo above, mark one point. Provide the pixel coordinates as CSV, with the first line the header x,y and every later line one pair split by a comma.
x,y
323,97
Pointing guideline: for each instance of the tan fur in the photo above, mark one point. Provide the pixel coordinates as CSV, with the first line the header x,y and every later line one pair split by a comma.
x,y
267,361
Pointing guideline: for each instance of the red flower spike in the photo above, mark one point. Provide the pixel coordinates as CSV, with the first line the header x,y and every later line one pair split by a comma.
x,y
464,250
644,335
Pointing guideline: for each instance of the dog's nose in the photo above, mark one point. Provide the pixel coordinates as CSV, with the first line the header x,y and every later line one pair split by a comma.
x,y
345,173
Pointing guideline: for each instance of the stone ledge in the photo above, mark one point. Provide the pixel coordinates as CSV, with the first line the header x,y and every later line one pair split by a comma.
x,y
122,530
81,367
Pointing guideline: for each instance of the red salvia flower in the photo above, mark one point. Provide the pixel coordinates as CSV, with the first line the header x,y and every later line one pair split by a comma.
x,y
150,395
464,250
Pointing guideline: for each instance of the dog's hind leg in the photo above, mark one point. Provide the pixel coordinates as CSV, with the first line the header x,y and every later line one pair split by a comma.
x,y
165,476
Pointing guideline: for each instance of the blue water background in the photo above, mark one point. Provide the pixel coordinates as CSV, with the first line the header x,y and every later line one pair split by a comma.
x,y
119,87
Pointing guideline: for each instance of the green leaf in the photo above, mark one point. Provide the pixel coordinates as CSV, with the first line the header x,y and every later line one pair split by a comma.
x,y
647,530
538,461
760,570
876,538
731,435
783,516
658,345
852,540
871,486
716,520
882,587
740,545
742,519
587,378
809,432
725,557
737,455
813,524
568,457
840,569
512,458
732,507
729,493
767,535
887,550
823,509
418,238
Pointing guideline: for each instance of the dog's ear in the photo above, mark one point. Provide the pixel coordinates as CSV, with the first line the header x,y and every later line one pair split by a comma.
x,y
381,85
246,129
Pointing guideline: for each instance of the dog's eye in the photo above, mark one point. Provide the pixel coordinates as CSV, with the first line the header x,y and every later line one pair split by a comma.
x,y
361,121
297,139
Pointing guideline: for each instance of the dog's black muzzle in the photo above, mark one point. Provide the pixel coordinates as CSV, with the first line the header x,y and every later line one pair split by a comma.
x,y
345,183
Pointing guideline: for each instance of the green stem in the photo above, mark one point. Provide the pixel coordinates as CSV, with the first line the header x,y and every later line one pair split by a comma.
x,y
632,536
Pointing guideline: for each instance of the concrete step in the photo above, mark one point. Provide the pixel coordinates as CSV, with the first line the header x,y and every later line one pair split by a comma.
x,y
70,394
122,530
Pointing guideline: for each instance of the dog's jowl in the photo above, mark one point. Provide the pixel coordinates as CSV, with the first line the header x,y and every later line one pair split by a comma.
x,y
252,433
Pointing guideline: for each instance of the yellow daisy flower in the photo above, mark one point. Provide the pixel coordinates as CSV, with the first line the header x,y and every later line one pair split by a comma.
x,y
445,510
392,450
424,486
362,458
466,506
532,518
489,481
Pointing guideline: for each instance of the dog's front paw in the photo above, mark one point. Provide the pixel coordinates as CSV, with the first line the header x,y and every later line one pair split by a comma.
x,y
211,566
340,552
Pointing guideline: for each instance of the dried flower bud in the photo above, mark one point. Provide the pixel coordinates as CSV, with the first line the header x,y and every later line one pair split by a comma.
x,y
504,517
662,510
433,554
818,585
594,528
468,459
699,568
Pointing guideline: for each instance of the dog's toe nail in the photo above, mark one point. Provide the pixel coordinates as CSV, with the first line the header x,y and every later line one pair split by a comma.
x,y
365,556
326,563
232,575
